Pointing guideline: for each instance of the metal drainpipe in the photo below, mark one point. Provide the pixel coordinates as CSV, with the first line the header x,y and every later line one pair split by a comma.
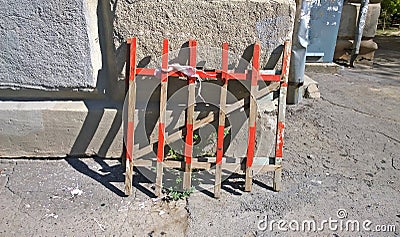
x,y
299,50
362,16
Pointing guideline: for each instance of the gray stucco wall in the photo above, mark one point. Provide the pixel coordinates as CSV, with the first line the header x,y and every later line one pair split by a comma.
x,y
46,45
80,44
240,23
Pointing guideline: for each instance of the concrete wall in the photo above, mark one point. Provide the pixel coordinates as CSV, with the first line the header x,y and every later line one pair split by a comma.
x,y
348,25
241,23
62,70
48,45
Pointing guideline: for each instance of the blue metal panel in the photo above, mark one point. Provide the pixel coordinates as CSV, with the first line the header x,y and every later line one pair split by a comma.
x,y
324,26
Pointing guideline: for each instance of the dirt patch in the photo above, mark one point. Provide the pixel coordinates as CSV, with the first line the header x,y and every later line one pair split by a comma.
x,y
388,33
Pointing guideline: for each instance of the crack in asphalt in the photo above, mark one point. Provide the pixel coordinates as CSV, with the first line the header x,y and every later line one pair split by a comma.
x,y
8,181
359,111
390,137
384,147
394,167
21,199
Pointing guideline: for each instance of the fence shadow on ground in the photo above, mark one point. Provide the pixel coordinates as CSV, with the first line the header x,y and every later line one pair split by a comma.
x,y
115,173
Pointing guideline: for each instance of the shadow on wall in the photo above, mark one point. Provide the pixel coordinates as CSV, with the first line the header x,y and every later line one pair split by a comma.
x,y
107,83
112,60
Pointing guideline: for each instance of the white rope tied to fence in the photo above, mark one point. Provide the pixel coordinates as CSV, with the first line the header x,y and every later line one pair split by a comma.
x,y
189,71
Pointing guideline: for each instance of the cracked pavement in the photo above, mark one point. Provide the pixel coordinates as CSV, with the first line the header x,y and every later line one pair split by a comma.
x,y
54,198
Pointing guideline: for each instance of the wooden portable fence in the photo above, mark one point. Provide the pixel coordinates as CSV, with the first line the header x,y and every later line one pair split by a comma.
x,y
279,82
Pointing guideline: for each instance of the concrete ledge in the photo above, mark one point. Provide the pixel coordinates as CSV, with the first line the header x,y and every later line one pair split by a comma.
x,y
87,128
322,67
58,129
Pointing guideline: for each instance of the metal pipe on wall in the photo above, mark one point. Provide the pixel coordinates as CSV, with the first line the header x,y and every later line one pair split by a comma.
x,y
299,50
362,16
